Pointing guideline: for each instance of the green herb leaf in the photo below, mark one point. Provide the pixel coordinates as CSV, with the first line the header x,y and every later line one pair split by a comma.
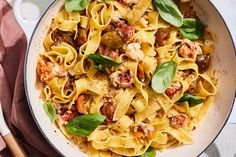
x,y
106,1
50,111
192,29
192,100
76,5
99,67
104,61
149,153
163,76
84,125
168,11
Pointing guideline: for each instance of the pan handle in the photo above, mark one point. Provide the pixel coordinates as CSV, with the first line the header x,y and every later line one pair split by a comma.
x,y
27,26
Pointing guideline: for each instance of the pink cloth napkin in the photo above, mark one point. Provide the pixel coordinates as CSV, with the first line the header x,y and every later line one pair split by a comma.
x,y
2,144
12,95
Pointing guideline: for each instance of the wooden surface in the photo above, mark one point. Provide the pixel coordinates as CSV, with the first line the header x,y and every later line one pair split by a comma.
x,y
13,145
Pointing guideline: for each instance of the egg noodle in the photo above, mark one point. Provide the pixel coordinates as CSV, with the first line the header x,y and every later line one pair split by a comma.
x,y
130,33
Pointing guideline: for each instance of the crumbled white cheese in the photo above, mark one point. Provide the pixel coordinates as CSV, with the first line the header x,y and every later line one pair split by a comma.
x,y
146,128
59,70
116,16
131,1
144,21
189,49
71,72
176,85
122,78
133,51
115,78
60,121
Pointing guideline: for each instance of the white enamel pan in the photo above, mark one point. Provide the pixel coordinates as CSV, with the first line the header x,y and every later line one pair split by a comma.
x,y
224,61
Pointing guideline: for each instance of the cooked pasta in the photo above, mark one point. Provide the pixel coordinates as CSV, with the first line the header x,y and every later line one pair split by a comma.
x,y
102,61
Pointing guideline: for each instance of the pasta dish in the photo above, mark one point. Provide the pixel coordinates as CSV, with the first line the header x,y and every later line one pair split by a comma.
x,y
127,77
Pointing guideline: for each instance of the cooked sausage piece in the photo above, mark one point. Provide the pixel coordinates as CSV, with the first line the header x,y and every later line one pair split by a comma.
x,y
109,107
203,62
113,54
162,35
44,72
122,78
188,50
68,114
59,36
108,110
173,89
69,83
192,87
125,31
178,121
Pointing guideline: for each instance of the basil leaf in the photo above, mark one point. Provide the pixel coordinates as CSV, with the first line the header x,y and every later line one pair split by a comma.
x,y
192,29
50,111
84,125
104,61
149,153
192,100
163,76
168,11
76,5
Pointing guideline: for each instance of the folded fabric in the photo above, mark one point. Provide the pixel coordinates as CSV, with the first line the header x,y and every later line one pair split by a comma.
x,y
2,144
12,95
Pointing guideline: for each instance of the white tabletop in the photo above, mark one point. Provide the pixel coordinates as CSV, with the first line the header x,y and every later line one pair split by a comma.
x,y
225,144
